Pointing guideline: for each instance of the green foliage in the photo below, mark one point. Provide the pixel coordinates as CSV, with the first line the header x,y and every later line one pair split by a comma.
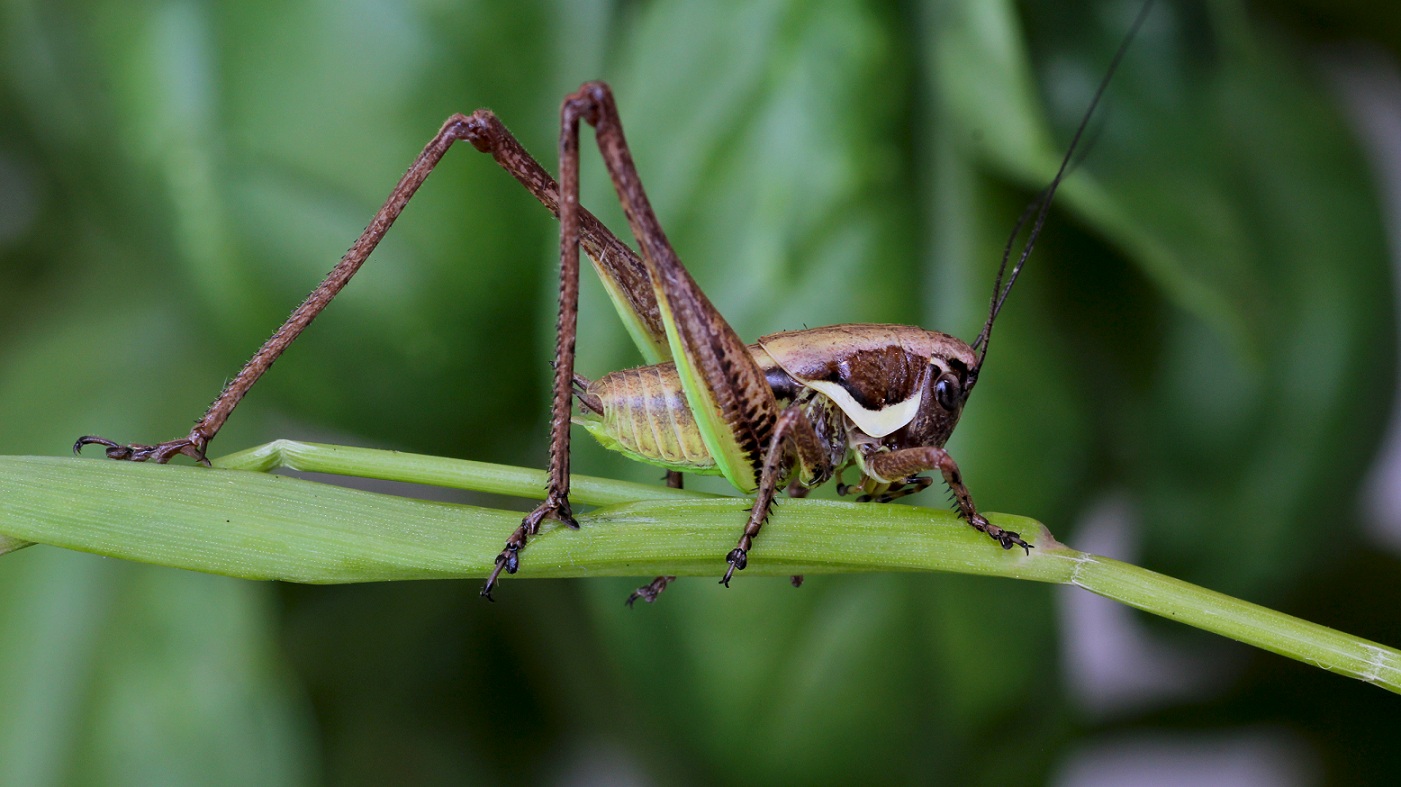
x,y
1205,330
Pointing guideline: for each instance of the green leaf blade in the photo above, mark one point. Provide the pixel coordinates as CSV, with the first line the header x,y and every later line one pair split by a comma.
x,y
248,525
261,526
256,525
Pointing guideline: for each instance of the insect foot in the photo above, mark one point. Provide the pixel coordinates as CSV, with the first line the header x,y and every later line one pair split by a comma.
x,y
192,446
554,507
1007,538
1010,538
508,561
738,559
650,591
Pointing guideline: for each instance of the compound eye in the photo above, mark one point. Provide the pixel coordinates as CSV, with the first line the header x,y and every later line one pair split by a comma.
x,y
947,393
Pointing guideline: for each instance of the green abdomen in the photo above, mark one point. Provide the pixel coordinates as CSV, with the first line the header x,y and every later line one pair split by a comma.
x,y
645,416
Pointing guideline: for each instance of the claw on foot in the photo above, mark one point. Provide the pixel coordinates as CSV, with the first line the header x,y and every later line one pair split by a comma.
x,y
1007,538
738,559
508,561
159,453
650,591
554,507
1010,538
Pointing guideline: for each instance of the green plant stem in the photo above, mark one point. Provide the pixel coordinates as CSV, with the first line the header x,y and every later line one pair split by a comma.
x,y
262,526
439,471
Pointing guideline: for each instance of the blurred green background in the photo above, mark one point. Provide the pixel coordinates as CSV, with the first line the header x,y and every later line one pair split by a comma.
x,y
1195,374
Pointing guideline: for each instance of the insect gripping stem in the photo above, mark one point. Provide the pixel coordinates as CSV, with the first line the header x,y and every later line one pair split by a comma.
x,y
792,410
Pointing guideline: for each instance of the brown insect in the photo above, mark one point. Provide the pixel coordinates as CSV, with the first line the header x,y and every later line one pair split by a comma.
x,y
793,410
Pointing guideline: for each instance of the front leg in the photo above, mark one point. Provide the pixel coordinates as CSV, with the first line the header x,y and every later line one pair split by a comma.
x,y
893,466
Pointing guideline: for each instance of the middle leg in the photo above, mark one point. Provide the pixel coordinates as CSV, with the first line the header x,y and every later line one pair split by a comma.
x,y
795,440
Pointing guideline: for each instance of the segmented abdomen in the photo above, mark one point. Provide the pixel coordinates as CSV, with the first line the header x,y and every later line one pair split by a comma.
x,y
645,416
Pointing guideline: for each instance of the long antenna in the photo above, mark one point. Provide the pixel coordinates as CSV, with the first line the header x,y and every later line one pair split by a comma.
x,y
1042,204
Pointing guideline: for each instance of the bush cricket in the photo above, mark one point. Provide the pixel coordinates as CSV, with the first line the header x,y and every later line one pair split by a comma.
x,y
793,410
